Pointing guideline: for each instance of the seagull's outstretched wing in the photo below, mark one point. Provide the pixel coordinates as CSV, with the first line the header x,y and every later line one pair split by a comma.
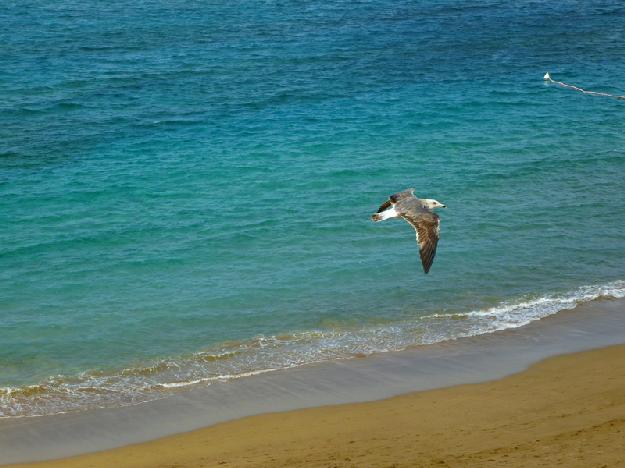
x,y
427,228
408,193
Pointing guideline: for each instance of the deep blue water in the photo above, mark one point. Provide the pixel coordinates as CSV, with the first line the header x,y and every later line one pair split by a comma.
x,y
185,186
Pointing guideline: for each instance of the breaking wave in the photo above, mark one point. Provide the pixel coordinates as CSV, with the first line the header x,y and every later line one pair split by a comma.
x,y
234,360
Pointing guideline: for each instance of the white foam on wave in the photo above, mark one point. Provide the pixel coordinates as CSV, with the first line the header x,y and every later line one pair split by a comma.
x,y
268,353
516,314
220,378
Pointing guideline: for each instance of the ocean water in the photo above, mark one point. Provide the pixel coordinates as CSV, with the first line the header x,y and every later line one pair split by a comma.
x,y
185,186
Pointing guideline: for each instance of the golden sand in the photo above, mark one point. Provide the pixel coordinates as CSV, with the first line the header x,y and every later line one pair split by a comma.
x,y
566,411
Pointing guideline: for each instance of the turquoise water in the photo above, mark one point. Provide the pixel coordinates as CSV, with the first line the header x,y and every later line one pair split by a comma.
x,y
185,187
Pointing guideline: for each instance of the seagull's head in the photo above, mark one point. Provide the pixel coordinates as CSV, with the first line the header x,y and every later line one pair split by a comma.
x,y
431,204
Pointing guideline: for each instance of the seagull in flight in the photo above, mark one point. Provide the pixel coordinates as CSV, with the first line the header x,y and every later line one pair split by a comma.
x,y
418,212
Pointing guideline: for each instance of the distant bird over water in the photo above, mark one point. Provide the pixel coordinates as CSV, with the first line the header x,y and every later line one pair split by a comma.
x,y
419,213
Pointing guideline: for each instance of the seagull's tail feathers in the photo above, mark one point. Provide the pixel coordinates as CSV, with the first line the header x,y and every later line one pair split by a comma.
x,y
386,214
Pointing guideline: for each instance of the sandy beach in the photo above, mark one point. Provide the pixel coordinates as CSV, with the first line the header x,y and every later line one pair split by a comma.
x,y
567,410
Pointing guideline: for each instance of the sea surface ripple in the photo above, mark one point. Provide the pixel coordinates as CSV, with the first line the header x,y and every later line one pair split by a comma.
x,y
185,186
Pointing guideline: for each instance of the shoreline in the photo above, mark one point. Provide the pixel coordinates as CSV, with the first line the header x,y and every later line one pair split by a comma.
x,y
482,358
146,380
567,410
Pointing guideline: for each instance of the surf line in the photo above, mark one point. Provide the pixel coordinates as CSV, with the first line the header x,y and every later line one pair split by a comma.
x,y
548,78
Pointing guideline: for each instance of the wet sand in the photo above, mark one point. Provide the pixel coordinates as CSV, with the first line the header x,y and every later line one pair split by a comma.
x,y
568,409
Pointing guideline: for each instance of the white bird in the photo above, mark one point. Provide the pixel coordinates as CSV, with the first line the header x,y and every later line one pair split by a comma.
x,y
418,212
